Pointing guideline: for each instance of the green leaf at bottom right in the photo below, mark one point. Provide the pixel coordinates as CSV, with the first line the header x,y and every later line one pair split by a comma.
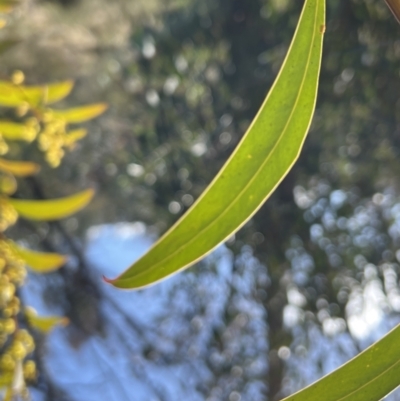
x,y
369,376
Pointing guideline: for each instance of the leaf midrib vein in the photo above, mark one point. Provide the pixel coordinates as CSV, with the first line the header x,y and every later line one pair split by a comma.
x,y
369,382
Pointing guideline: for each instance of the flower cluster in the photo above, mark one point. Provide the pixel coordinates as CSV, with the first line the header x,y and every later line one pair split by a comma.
x,y
35,121
52,138
16,343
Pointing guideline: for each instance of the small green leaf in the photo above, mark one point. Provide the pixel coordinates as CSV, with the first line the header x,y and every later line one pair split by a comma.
x,y
18,168
13,96
16,95
17,131
40,262
73,136
52,209
46,94
44,323
58,91
264,156
10,96
370,376
80,114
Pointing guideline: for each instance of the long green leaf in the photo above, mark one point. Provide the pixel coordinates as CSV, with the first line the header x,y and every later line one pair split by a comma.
x,y
58,91
17,131
44,323
13,96
47,93
80,114
19,168
370,376
39,262
262,159
52,209
74,136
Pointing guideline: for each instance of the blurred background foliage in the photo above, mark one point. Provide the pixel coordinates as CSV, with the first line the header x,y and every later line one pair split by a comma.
x,y
183,79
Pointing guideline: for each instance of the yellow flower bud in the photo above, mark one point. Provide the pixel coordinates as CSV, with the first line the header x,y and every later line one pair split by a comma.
x,y
26,339
30,133
9,326
29,370
8,215
48,116
44,141
8,312
17,350
7,362
16,274
21,335
18,77
7,292
22,109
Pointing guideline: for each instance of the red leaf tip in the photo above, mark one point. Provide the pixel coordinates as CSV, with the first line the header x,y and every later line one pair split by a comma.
x,y
107,280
